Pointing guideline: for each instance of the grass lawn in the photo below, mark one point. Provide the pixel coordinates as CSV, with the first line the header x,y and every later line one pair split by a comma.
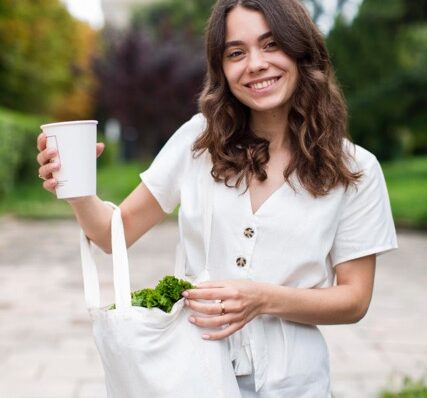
x,y
407,186
32,201
406,181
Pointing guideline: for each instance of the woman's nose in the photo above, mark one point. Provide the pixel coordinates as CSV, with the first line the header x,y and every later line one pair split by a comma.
x,y
257,62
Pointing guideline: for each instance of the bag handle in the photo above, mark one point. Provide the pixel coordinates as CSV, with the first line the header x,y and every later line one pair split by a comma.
x,y
120,266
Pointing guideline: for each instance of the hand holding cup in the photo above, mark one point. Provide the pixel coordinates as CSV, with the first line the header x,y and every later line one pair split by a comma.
x,y
69,146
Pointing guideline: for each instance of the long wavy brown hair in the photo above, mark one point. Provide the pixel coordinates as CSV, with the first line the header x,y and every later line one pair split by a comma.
x,y
317,118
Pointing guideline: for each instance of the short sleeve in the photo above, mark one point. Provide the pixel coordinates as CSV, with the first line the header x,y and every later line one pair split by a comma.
x,y
165,175
365,222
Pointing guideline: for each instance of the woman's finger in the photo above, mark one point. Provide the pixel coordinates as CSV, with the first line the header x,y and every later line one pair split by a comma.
x,y
100,146
212,322
204,308
223,333
46,156
46,171
41,142
205,294
50,185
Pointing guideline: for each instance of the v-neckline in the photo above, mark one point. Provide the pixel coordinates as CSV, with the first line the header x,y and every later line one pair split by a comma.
x,y
264,203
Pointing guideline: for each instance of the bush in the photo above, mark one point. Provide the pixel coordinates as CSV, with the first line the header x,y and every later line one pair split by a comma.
x,y
18,150
411,389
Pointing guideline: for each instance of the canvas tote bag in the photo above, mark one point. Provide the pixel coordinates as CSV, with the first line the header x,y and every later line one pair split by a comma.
x,y
147,352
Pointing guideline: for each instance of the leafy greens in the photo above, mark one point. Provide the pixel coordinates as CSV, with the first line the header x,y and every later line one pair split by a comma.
x,y
167,292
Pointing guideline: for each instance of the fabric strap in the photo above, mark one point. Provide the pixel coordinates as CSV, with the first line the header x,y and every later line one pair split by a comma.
x,y
90,274
120,266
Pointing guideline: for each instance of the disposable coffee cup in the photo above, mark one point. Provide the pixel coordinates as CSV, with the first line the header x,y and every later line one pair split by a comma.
x,y
75,143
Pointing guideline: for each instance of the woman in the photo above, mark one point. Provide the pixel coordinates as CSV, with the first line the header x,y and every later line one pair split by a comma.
x,y
294,203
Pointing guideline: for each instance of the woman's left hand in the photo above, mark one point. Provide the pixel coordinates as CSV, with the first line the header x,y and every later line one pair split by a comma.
x,y
237,303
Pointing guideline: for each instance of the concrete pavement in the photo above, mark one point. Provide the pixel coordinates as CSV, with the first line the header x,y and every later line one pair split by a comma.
x,y
46,346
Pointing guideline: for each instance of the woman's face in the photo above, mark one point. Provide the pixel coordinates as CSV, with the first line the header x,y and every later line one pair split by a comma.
x,y
258,72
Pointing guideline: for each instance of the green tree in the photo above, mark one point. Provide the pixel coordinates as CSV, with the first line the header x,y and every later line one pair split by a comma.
x,y
39,58
165,18
380,60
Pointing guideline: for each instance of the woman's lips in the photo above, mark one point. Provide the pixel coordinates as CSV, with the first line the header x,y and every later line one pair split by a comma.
x,y
264,85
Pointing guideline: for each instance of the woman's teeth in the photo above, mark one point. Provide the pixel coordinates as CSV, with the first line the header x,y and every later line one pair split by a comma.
x,y
264,84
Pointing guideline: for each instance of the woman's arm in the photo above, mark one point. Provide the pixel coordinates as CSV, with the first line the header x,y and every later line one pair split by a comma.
x,y
140,210
243,300
347,302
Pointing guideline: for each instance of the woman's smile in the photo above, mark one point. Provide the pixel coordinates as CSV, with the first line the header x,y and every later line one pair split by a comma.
x,y
263,86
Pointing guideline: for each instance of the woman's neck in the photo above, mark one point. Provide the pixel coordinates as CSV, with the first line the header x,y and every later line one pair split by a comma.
x,y
273,126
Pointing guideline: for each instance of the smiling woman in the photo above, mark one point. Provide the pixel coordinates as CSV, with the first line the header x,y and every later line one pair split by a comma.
x,y
281,216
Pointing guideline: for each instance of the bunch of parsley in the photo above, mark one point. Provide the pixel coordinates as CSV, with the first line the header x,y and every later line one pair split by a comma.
x,y
167,292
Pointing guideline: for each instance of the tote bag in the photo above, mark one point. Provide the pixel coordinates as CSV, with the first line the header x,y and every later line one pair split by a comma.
x,y
147,353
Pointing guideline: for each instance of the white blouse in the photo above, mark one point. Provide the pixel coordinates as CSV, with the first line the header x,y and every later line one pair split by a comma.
x,y
293,239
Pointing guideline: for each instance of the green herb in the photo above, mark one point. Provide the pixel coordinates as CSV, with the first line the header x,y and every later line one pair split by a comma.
x,y
167,292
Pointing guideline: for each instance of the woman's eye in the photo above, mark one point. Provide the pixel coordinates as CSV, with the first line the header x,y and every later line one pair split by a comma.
x,y
235,54
271,44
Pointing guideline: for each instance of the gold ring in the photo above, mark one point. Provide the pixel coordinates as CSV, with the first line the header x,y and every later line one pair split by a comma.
x,y
222,307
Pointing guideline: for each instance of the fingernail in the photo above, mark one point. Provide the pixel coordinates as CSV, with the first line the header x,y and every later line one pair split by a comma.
x,y
55,165
186,302
206,336
185,294
51,151
191,319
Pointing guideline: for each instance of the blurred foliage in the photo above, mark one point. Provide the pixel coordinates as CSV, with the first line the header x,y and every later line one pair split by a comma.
x,y
164,18
150,75
381,62
148,85
78,101
18,149
44,59
411,389
318,10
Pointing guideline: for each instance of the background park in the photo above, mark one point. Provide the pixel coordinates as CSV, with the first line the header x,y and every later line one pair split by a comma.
x,y
140,80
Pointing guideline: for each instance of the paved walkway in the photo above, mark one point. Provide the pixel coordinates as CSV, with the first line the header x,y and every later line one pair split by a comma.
x,y
47,351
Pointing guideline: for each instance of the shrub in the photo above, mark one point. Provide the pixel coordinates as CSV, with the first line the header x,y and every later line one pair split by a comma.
x,y
18,149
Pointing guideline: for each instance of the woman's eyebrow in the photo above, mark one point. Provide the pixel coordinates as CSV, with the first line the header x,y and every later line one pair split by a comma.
x,y
239,42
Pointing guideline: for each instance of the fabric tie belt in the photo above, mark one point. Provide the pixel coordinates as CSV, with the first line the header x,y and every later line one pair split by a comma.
x,y
249,353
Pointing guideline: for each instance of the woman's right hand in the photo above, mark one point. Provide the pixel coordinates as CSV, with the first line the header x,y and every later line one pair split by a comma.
x,y
48,166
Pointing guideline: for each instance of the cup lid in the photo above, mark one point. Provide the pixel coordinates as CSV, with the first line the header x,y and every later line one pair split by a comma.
x,y
68,123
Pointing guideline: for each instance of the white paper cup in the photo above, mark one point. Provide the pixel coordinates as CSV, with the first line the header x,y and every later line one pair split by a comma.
x,y
76,145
